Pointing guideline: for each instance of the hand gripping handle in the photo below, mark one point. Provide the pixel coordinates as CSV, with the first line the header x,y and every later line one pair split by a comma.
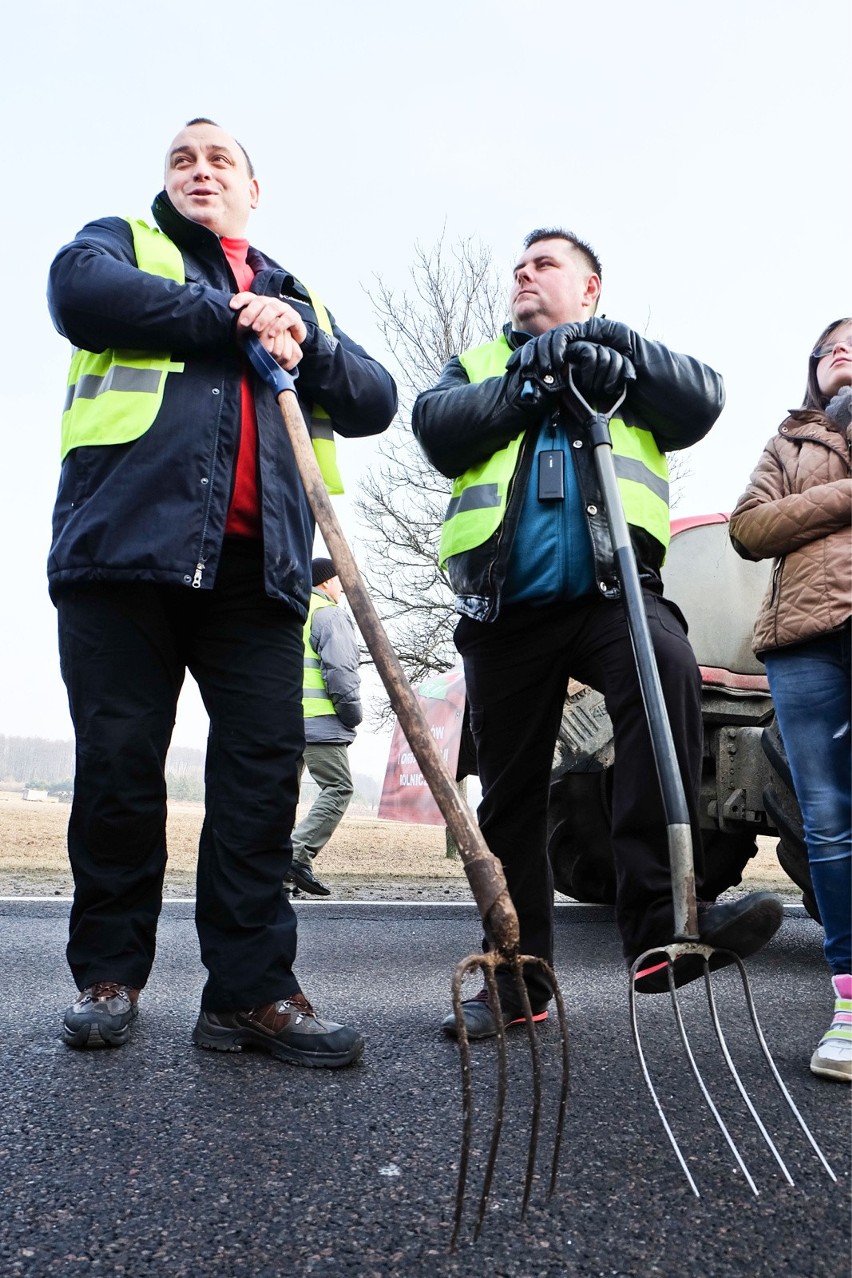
x,y
268,368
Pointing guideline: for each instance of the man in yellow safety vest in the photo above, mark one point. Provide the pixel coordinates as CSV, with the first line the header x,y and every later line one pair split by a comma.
x,y
527,551
331,703
182,539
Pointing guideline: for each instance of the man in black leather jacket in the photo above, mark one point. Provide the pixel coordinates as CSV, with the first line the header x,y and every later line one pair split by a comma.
x,y
183,540
528,554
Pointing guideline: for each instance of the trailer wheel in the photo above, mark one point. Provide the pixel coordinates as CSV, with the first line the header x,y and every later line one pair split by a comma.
x,y
782,808
726,854
580,847
578,842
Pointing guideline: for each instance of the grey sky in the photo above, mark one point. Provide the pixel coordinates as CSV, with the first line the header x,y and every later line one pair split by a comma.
x,y
703,150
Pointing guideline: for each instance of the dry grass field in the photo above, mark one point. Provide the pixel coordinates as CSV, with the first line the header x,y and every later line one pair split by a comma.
x,y
381,858
366,859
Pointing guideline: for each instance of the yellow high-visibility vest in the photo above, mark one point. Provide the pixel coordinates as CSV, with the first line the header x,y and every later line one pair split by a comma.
x,y
478,502
315,698
114,396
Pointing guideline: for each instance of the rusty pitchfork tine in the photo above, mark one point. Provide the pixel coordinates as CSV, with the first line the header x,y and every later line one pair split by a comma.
x,y
483,870
488,963
687,938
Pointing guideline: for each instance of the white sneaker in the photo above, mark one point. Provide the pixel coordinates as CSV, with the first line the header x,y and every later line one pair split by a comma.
x,y
833,1057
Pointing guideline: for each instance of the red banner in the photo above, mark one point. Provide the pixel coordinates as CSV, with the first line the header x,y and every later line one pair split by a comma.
x,y
405,794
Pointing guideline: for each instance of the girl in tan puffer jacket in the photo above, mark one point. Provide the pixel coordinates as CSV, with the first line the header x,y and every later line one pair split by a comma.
x,y
798,509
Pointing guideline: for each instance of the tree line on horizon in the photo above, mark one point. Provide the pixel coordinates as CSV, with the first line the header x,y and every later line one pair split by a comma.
x,y
38,763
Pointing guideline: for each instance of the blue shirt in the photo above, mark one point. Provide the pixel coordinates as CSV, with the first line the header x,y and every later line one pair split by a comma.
x,y
551,558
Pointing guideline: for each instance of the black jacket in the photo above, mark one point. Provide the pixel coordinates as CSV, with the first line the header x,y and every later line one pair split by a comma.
x,y
459,424
155,509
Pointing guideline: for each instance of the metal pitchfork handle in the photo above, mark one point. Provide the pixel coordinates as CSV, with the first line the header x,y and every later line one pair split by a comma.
x,y
483,870
678,829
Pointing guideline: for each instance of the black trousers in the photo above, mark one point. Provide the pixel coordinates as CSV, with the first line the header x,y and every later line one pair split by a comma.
x,y
124,650
516,672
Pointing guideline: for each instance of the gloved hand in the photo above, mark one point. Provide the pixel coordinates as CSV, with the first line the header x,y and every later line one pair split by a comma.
x,y
610,333
599,372
542,360
676,396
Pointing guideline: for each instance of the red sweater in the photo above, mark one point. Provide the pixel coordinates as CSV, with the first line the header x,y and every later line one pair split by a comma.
x,y
244,513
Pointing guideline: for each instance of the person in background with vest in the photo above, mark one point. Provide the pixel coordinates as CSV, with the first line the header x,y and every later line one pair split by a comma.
x,y
528,553
182,540
331,702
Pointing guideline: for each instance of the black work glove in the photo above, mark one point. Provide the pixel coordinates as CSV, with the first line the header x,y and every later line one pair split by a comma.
x,y
678,397
600,373
609,333
543,360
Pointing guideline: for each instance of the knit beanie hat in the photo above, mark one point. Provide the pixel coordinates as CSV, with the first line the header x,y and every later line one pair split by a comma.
x,y
322,570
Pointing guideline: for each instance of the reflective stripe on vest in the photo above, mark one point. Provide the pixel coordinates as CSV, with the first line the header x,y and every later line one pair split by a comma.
x,y
113,397
315,698
478,502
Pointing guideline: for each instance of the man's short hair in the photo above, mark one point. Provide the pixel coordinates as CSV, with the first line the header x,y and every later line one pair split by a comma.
x,y
203,119
559,233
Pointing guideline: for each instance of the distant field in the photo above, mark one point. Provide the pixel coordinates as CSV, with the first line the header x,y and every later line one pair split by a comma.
x,y
363,850
366,858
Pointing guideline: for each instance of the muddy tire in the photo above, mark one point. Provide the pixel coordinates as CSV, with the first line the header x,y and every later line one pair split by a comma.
x,y
578,836
580,848
726,854
782,808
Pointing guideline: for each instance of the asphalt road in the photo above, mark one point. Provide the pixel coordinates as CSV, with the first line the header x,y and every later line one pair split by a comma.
x,y
160,1159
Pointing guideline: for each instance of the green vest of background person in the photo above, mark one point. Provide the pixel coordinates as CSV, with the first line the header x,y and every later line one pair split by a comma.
x,y
478,502
315,698
114,396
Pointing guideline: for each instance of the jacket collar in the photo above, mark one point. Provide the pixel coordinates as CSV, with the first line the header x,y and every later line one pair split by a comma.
x,y
269,276
810,423
184,232
513,337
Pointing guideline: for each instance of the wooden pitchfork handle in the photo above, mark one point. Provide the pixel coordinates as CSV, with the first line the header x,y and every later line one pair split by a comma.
x,y
483,870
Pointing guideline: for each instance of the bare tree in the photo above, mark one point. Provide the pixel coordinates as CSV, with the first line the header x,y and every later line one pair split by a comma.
x,y
454,301
457,301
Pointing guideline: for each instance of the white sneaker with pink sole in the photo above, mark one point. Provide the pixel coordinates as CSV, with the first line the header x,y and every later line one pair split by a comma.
x,y
833,1057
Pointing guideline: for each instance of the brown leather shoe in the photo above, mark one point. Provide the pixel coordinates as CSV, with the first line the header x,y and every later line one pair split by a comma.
x,y
102,1015
288,1029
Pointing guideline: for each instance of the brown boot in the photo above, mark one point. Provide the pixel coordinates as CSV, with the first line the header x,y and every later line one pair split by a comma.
x,y
288,1029
102,1016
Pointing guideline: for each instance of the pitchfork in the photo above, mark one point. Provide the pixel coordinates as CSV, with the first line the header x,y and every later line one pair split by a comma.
x,y
483,870
687,939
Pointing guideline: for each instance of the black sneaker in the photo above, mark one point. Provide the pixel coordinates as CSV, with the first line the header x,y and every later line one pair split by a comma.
x,y
102,1016
743,926
479,1018
304,878
288,1029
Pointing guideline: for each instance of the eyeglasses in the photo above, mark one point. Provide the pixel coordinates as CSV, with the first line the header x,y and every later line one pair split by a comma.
x,y
822,351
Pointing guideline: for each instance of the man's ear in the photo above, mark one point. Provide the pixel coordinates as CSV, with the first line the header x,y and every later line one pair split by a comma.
x,y
592,292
